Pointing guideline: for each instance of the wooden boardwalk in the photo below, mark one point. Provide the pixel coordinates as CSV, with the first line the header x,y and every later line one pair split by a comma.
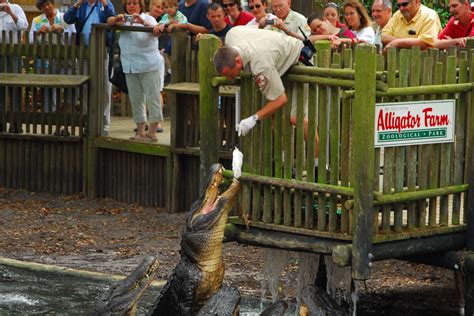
x,y
122,127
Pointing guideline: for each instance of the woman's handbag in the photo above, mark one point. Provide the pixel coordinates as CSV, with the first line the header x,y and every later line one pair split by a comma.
x,y
116,75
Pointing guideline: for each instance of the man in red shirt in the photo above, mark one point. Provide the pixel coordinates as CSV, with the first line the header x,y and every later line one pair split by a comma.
x,y
459,27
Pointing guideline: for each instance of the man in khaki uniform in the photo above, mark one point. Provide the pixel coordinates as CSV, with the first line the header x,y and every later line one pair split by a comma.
x,y
267,55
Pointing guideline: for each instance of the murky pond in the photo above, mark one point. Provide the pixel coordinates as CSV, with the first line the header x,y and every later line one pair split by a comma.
x,y
24,292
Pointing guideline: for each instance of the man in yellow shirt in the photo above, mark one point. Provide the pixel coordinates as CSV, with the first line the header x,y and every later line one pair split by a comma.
x,y
412,25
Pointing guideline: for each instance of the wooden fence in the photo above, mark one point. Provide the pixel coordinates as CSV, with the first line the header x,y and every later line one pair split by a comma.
x,y
360,194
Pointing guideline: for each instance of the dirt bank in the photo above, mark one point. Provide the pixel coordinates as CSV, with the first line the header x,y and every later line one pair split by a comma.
x,y
107,236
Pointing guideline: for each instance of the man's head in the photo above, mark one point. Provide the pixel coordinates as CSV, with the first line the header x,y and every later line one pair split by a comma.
x,y
281,8
215,14
460,9
228,62
381,12
408,8
46,6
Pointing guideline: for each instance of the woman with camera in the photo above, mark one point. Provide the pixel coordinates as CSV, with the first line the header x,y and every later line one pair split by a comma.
x,y
259,10
141,65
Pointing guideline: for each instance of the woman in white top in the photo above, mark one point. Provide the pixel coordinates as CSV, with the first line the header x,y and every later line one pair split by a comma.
x,y
141,64
259,10
358,21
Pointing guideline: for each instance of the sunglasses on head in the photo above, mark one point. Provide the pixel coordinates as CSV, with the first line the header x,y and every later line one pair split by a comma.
x,y
332,5
403,4
226,5
257,6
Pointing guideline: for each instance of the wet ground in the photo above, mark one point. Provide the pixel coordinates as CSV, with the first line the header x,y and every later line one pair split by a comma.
x,y
107,236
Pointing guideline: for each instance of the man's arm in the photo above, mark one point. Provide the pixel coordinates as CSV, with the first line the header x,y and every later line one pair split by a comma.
x,y
70,15
272,106
407,43
445,43
386,39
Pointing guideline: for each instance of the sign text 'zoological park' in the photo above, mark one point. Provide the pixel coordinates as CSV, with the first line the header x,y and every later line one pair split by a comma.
x,y
414,123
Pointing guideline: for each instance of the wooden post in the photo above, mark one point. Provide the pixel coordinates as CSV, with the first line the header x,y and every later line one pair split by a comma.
x,y
470,173
363,159
94,109
208,112
179,39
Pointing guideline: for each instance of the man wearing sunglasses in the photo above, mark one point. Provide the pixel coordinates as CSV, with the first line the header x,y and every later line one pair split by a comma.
x,y
412,25
459,27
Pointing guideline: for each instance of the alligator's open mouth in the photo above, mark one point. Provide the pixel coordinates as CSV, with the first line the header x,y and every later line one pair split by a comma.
x,y
214,193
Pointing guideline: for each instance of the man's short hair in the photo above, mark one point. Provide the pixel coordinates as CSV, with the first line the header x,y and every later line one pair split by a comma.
x,y
225,57
41,3
214,7
387,4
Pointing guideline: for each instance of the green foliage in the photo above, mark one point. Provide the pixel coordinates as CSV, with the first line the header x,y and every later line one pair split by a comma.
x,y
443,13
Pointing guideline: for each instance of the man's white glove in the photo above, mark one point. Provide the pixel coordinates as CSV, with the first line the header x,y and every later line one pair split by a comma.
x,y
247,124
237,158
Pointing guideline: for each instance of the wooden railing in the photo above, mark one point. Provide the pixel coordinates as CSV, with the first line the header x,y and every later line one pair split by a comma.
x,y
361,194
57,102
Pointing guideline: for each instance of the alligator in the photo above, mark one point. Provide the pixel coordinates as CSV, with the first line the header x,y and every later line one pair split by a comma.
x,y
200,271
124,296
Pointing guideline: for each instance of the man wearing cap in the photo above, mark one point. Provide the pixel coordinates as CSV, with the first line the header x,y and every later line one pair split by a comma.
x,y
412,25
267,55
459,27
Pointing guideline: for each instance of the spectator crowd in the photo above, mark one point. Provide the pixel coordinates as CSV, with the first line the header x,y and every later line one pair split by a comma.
x,y
349,23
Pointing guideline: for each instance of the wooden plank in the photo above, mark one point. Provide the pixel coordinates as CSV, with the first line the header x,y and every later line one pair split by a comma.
x,y
433,178
310,153
425,150
208,108
363,127
288,150
389,152
334,138
267,168
323,61
300,151
278,161
42,80
446,162
460,142
412,151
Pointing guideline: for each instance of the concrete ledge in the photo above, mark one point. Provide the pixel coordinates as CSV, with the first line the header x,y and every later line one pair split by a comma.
x,y
53,269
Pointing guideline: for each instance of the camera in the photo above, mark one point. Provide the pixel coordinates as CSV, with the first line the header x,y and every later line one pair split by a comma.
x,y
269,22
307,51
128,18
2,7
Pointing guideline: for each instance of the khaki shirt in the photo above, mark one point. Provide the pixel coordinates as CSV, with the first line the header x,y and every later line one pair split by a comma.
x,y
267,55
425,25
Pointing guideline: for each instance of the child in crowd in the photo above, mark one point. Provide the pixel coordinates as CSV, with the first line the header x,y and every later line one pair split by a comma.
x,y
322,29
331,13
171,16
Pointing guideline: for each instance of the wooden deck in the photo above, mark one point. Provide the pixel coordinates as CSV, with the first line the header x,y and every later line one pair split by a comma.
x,y
122,128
